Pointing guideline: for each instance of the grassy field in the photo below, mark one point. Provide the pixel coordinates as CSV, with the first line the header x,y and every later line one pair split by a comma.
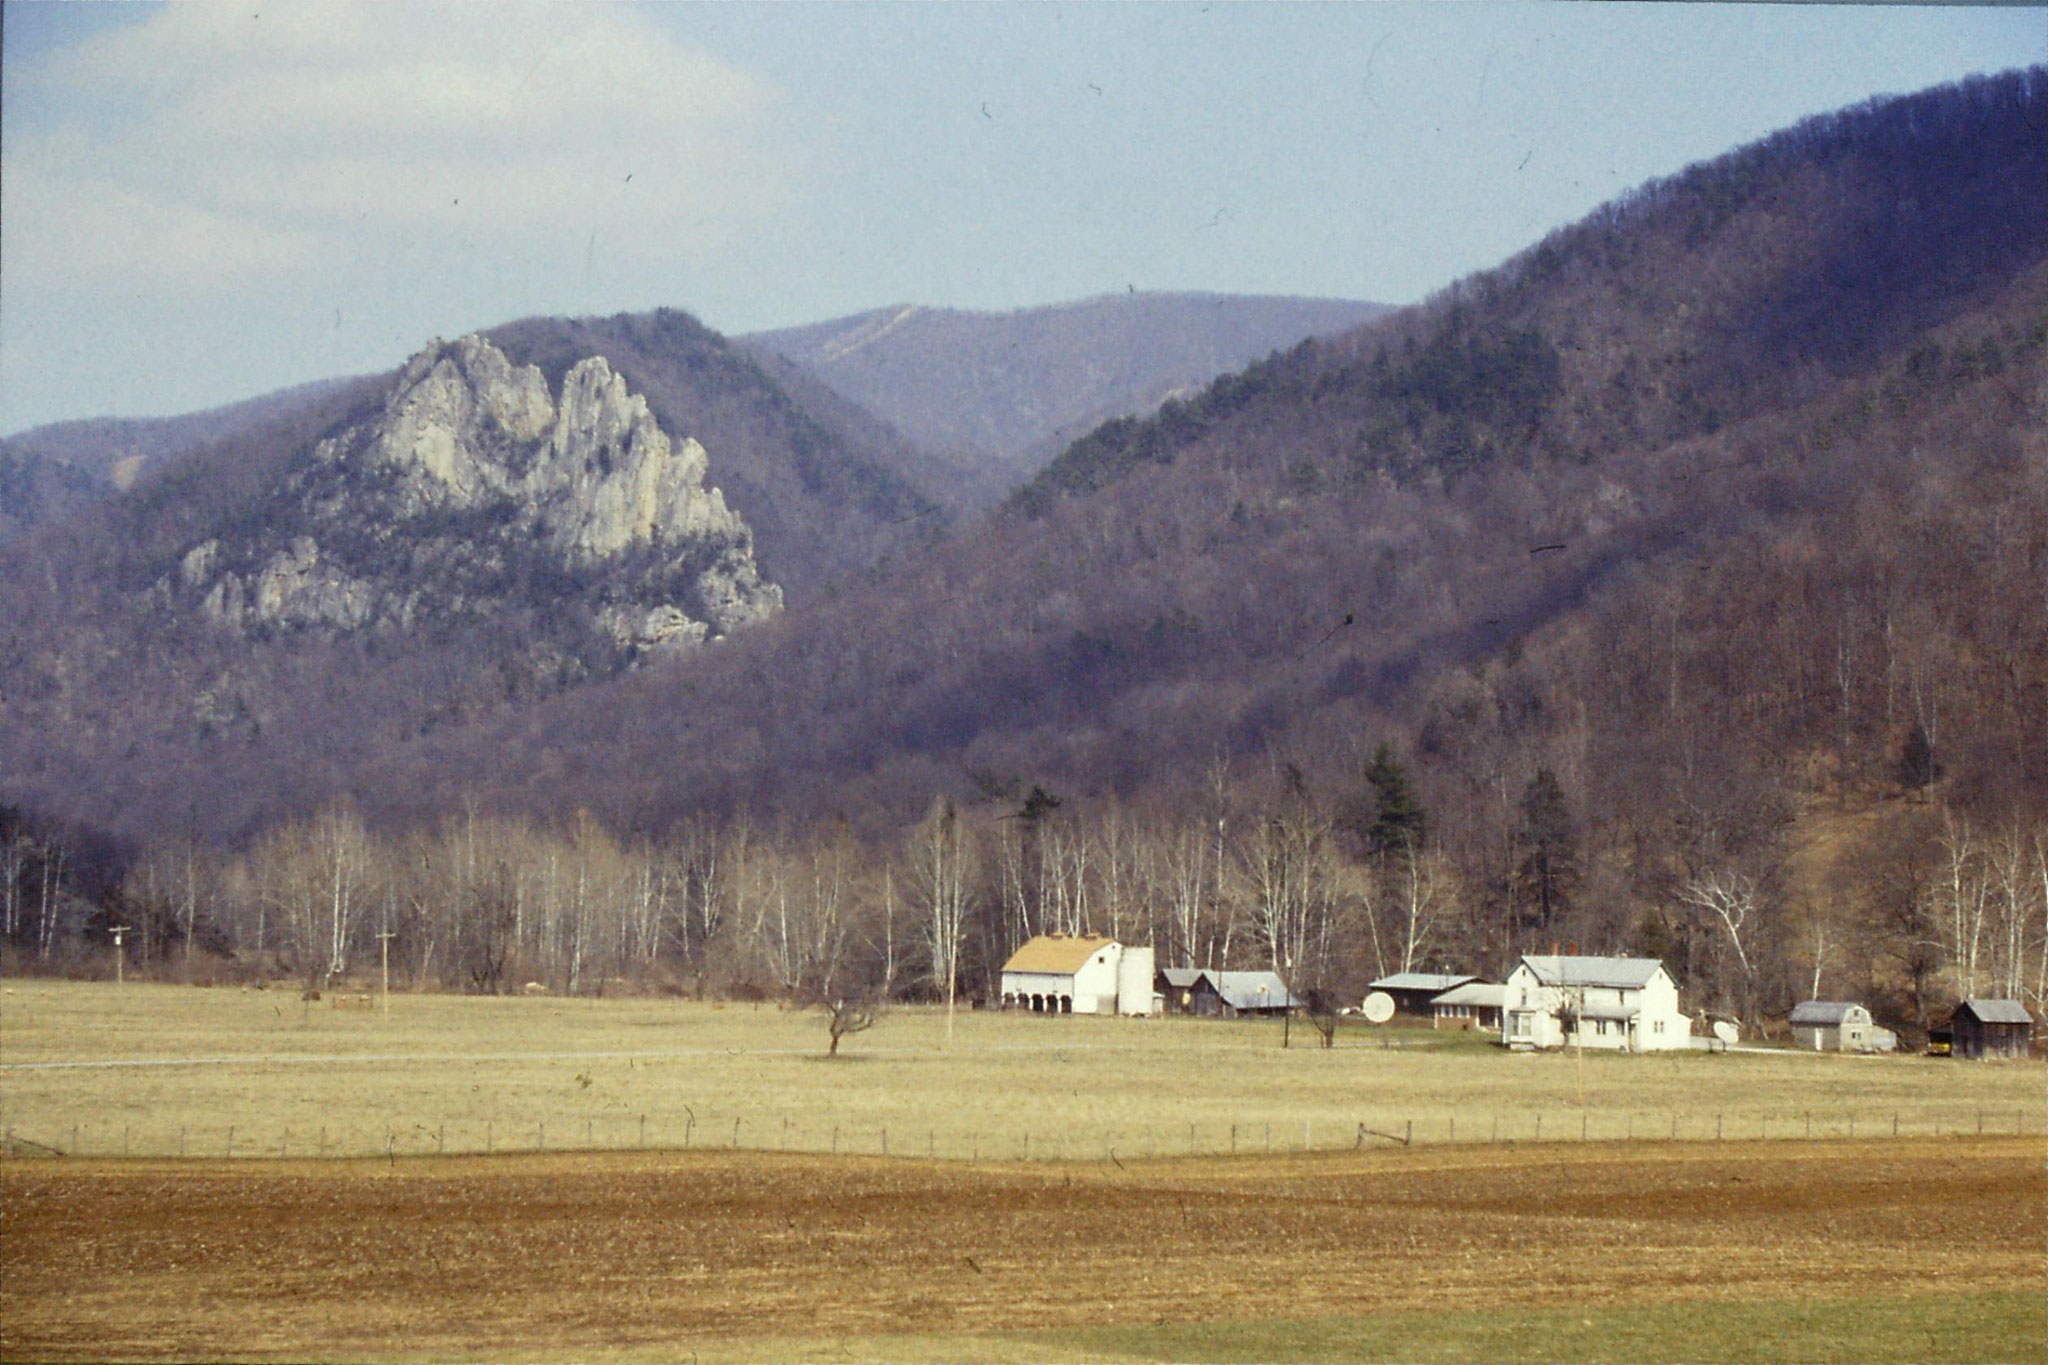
x,y
98,1069
1924,1249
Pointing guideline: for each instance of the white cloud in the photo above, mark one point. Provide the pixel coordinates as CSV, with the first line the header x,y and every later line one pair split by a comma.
x,y
223,146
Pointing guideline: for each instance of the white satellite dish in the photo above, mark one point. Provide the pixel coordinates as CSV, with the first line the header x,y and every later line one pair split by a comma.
x,y
1726,1031
1379,1007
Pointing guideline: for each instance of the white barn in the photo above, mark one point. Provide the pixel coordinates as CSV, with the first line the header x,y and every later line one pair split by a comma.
x,y
1625,1004
1078,974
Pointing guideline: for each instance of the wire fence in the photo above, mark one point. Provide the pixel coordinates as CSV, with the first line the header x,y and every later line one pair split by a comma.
x,y
710,1129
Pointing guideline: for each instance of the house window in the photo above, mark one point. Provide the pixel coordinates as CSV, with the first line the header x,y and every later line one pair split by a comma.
x,y
1600,1027
1657,1026
1521,1026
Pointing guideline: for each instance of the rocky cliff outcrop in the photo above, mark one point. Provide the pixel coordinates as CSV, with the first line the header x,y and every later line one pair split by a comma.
x,y
476,491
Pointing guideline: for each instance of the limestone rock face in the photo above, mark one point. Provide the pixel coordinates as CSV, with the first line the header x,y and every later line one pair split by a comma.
x,y
475,490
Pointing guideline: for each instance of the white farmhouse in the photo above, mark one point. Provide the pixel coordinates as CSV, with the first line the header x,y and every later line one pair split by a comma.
x,y
1628,1004
1062,974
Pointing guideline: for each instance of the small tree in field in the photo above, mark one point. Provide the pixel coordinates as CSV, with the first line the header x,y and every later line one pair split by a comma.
x,y
853,1012
1324,1012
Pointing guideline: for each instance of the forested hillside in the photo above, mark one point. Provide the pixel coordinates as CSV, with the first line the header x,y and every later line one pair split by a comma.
x,y
1677,588
96,458
997,395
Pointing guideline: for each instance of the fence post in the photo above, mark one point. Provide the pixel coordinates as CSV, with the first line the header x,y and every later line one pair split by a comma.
x,y
835,1139
1308,1139
1539,1126
1409,1141
440,1138
231,1139
1717,1127
323,1140
1027,1146
1895,1123
1582,1125
1454,1127
490,1141
885,1142
541,1136
1233,1140
643,1129
589,1124
735,1134
181,1140
75,1152
124,1139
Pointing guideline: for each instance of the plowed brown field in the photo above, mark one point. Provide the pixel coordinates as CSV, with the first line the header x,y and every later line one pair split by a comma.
x,y
593,1255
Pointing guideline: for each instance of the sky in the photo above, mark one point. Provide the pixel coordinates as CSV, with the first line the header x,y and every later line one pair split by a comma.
x,y
204,202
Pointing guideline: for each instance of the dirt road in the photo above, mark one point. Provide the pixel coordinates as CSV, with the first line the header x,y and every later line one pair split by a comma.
x,y
581,1256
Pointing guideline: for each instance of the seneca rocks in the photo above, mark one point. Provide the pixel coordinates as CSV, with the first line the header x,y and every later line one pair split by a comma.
x,y
473,487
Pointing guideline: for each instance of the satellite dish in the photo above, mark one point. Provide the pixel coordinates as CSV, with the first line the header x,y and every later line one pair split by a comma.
x,y
1726,1031
1379,1007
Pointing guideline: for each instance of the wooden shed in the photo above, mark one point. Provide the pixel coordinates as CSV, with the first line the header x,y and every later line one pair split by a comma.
x,y
1991,1028
1179,987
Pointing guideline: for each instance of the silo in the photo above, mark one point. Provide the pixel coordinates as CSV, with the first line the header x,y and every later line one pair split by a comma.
x,y
1134,982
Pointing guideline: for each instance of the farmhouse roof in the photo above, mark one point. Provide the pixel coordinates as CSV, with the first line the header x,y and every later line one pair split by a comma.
x,y
1487,994
1253,990
1056,953
1997,1011
1421,981
1822,1013
1181,978
1620,973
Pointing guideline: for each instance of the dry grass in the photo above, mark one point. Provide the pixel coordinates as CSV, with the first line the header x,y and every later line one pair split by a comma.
x,y
455,1073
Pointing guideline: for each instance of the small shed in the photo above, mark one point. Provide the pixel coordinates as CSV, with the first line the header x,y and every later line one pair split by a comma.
x,y
1179,988
1414,993
1474,1005
1253,993
1832,1026
1991,1028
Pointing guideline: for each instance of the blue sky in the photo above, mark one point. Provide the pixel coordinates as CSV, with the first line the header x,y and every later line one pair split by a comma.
x,y
203,202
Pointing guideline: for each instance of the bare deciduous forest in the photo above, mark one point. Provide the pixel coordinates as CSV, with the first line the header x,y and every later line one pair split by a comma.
x,y
1678,588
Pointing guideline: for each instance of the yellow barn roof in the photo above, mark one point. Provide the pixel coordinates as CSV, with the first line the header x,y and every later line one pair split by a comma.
x,y
1050,953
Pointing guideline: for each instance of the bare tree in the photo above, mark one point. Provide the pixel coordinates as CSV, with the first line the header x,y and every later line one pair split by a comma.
x,y
853,1012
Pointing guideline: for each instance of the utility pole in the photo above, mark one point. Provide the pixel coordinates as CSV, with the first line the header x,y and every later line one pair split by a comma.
x,y
120,953
384,959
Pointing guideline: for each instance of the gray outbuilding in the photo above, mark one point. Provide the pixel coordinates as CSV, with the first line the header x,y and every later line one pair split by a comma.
x,y
1836,1026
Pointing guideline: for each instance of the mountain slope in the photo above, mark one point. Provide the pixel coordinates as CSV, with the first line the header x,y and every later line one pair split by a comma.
x,y
1464,526
49,472
1737,286
998,394
1298,556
